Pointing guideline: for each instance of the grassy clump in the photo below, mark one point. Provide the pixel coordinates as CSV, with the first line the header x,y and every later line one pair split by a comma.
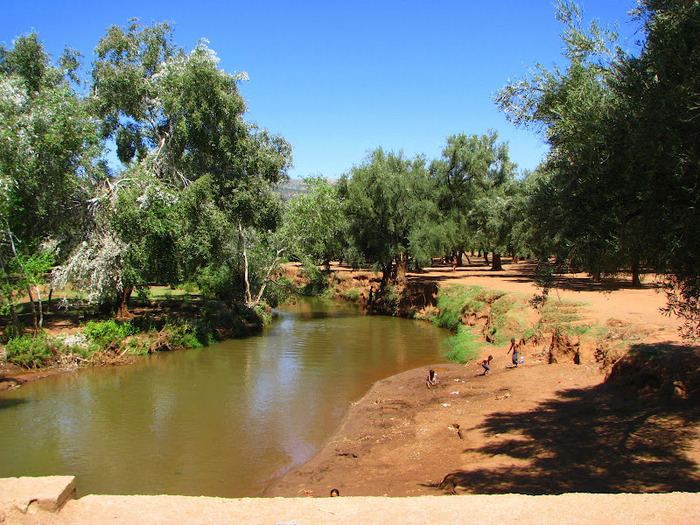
x,y
454,301
502,310
110,333
30,352
352,295
507,319
464,346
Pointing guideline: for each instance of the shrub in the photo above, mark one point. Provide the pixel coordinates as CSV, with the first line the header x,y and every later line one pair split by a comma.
x,y
317,280
107,333
353,294
30,352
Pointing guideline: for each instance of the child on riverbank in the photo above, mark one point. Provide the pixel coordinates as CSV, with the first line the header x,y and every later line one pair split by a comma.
x,y
485,363
514,347
432,379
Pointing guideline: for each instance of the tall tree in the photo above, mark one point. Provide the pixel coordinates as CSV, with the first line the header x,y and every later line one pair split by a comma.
x,y
313,223
49,150
624,160
177,118
387,207
474,179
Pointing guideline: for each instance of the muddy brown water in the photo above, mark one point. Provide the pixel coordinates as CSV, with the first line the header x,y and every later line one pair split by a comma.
x,y
226,420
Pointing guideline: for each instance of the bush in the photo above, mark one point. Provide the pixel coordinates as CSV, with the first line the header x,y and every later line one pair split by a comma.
x,y
318,280
353,294
108,333
30,352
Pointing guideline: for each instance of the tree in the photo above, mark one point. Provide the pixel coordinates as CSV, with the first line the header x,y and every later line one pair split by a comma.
x,y
624,133
583,202
177,118
474,179
49,150
388,209
313,223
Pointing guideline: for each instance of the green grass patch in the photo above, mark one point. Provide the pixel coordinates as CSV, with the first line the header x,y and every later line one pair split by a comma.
x,y
30,352
507,318
464,346
353,294
454,301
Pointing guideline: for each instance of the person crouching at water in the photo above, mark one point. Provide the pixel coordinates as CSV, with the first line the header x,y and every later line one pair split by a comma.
x,y
431,380
485,363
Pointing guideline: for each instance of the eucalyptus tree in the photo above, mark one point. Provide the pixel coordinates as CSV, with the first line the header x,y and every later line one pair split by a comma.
x,y
49,150
474,178
177,118
389,209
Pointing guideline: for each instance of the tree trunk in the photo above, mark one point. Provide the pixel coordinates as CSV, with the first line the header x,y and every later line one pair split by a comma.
x,y
241,240
35,319
636,281
486,257
496,263
401,266
123,296
386,275
41,308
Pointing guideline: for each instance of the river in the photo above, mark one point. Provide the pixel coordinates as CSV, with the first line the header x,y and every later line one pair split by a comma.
x,y
225,420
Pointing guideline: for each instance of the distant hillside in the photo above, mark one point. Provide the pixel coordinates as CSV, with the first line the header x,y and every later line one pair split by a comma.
x,y
295,187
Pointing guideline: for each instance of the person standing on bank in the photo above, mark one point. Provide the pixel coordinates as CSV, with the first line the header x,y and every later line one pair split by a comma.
x,y
514,348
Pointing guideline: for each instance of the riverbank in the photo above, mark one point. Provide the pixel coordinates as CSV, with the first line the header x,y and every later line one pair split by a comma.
x,y
71,341
540,428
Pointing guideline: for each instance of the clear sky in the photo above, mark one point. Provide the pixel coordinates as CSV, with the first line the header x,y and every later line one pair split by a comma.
x,y
340,78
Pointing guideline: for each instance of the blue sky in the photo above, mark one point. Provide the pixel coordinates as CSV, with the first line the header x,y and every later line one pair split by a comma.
x,y
338,79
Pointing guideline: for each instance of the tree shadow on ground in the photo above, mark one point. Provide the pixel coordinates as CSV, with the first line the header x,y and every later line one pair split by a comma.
x,y
588,440
524,272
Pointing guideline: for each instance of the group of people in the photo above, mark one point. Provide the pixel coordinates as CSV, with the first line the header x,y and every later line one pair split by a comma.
x,y
514,347
432,379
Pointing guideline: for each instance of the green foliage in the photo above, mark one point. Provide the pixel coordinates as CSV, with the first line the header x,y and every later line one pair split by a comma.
x,y
617,191
454,301
108,333
464,346
506,319
475,191
387,202
183,335
313,223
30,352
353,294
317,280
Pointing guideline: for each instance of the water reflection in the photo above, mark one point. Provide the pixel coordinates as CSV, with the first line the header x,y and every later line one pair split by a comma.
x,y
221,421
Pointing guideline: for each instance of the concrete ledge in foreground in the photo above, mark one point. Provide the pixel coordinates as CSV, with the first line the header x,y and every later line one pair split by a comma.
x,y
47,493
625,509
